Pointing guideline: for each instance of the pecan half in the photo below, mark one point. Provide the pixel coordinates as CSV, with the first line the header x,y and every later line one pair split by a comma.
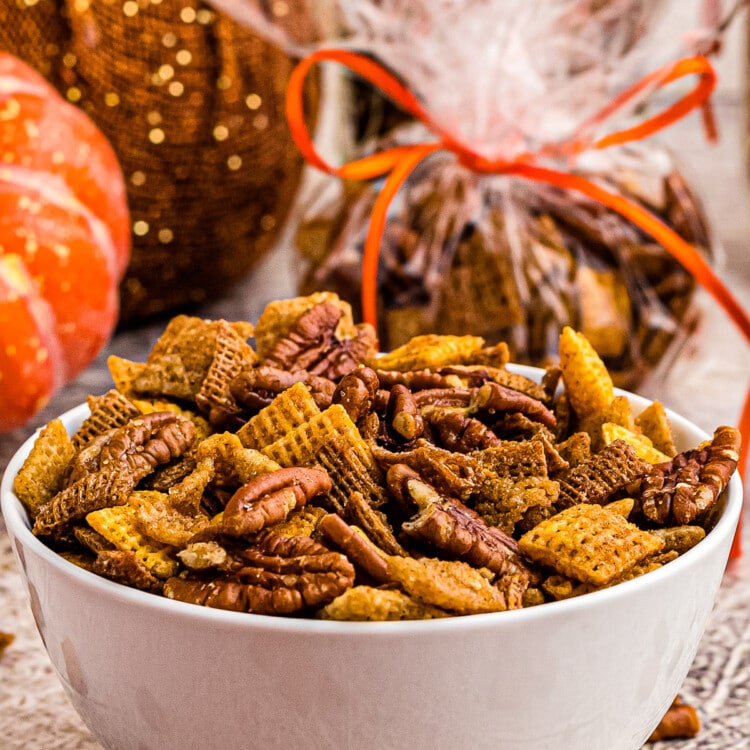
x,y
402,418
312,344
686,487
449,525
495,398
124,567
680,722
356,546
109,467
454,474
458,432
418,380
257,387
277,576
269,499
356,392
447,397
145,442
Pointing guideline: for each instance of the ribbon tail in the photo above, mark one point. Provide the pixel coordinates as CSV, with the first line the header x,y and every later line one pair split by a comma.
x,y
378,217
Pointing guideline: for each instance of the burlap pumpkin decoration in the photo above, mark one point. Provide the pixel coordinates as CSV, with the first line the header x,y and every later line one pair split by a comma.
x,y
192,103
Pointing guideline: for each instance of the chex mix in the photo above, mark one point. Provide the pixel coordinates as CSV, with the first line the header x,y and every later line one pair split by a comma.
x,y
291,468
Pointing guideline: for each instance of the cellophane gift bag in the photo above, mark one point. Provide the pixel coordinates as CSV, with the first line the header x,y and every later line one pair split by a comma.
x,y
491,254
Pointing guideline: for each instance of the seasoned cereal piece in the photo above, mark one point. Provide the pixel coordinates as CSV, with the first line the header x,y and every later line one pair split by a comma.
x,y
497,355
90,539
373,522
288,410
515,500
623,507
588,543
648,564
429,352
588,385
576,449
333,441
605,473
220,461
641,444
233,463
533,597
620,412
161,522
680,538
41,475
654,423
232,355
446,584
108,412
124,373
119,526
559,587
91,492
520,383
152,405
554,460
365,603
180,360
300,522
81,559
515,459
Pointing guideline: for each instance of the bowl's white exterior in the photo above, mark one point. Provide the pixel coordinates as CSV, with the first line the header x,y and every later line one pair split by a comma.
x,y
592,673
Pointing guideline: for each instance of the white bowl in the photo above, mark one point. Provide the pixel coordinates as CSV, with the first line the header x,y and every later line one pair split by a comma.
x,y
591,673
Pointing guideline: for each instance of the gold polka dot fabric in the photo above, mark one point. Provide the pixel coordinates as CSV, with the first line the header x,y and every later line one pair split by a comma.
x,y
192,103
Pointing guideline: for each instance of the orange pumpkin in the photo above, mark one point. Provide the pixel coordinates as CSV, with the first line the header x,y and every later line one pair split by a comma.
x,y
64,241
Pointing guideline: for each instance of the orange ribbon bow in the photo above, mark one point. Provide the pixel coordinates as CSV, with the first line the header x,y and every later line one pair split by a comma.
x,y
397,163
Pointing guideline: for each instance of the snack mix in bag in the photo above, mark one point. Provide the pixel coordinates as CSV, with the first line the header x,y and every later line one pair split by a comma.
x,y
291,469
516,262
464,252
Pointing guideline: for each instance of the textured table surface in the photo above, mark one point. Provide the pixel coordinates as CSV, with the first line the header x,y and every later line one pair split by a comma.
x,y
707,385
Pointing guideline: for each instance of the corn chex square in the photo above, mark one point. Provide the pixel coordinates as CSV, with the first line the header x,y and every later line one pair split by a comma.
x,y
331,440
588,542
291,408
119,526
